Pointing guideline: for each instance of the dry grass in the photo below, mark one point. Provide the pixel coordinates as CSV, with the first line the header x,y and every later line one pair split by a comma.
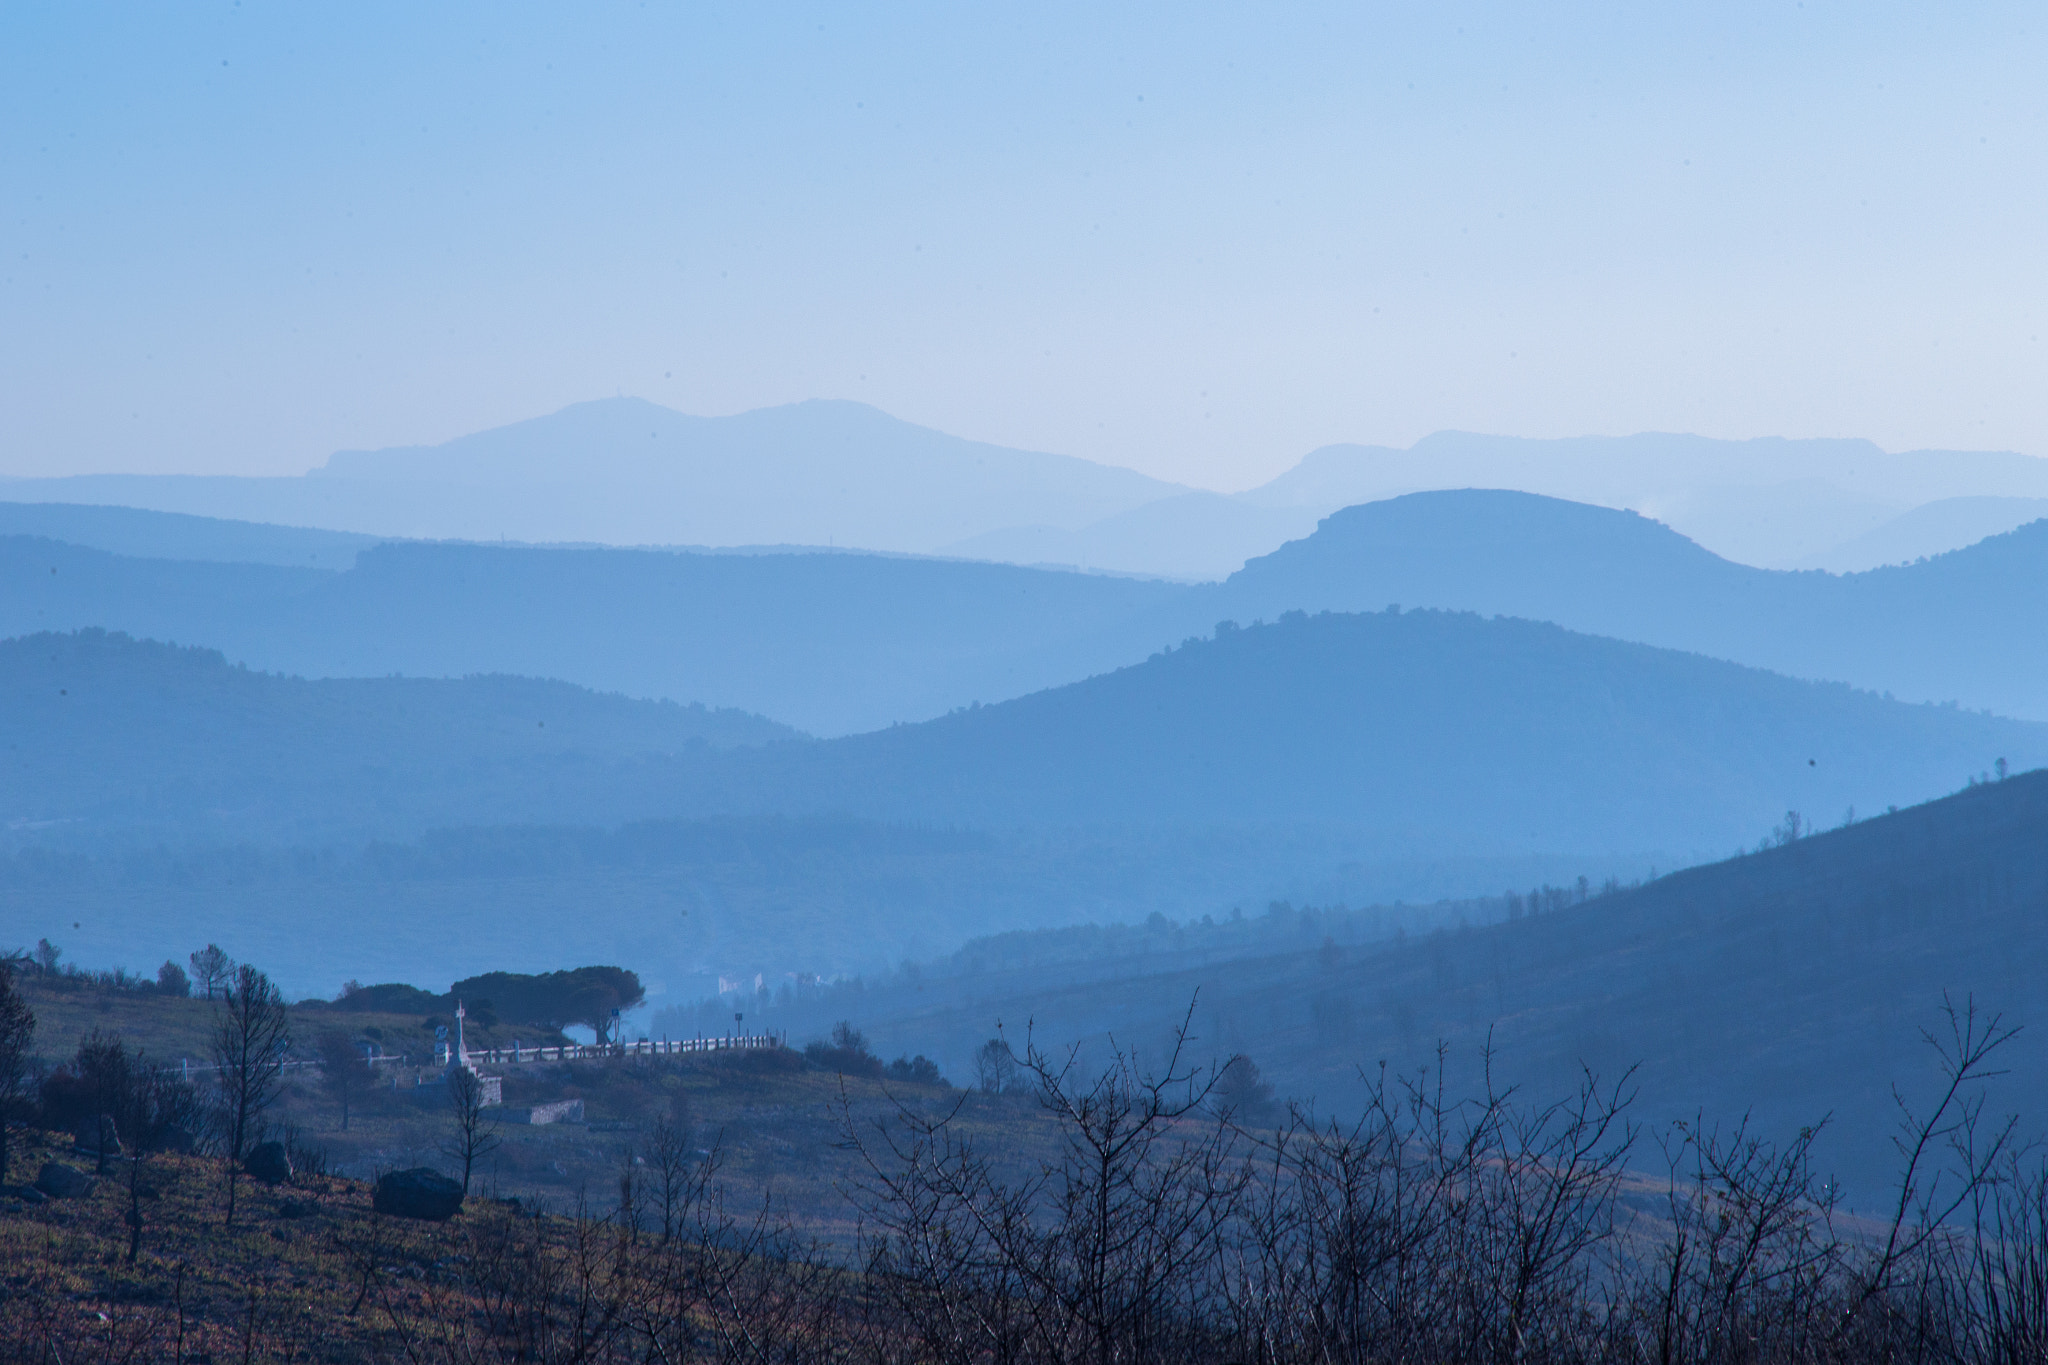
x,y
777,1122
284,1284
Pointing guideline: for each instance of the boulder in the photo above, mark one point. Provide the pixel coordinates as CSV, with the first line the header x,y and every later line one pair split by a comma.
x,y
269,1162
554,1111
63,1182
418,1193
97,1136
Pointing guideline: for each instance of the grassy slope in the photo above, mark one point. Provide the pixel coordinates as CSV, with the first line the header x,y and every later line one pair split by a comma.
x,y
171,1028
1793,985
776,1120
280,1285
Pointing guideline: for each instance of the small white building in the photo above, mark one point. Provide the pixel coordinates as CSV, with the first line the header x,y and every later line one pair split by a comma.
x,y
493,1087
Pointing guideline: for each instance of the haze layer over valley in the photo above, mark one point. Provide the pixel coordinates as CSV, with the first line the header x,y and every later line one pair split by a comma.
x,y
1377,710
1173,685
834,642
1147,761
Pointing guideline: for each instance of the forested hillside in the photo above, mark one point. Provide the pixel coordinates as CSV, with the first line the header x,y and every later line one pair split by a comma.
x,y
828,642
1791,984
1431,730
1971,625
110,740
1418,732
836,643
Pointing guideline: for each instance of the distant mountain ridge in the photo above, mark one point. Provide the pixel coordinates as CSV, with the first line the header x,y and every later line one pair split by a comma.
x,y
624,472
830,642
1770,501
835,642
174,536
1934,528
1970,625
107,738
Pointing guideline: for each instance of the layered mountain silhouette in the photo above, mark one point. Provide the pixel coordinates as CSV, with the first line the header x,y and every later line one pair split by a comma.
x,y
1930,529
685,901
1423,731
1431,729
1772,502
623,471
141,534
1971,625
1418,753
828,642
836,642
1194,536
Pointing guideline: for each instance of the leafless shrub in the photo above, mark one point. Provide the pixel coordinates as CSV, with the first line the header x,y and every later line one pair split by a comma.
x,y
1430,1229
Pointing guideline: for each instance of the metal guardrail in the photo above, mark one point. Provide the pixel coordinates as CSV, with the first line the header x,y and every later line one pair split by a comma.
x,y
518,1054
646,1047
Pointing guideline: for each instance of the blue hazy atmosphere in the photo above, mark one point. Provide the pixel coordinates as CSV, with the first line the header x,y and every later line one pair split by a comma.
x,y
1343,528
1196,241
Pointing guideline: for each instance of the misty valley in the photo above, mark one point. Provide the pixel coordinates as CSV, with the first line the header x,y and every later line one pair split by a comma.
x,y
683,930
884,684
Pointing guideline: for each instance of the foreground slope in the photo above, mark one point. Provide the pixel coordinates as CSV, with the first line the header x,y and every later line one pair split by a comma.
x,y
1792,985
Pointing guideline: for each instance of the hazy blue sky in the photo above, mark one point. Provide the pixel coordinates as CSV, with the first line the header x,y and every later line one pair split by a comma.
x,y
1198,240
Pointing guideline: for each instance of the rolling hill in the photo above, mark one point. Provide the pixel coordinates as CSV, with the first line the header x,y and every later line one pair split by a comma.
x,y
1418,754
1971,625
837,642
1434,730
623,471
1770,502
830,642
1430,729
136,533
106,739
1792,985
1933,528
